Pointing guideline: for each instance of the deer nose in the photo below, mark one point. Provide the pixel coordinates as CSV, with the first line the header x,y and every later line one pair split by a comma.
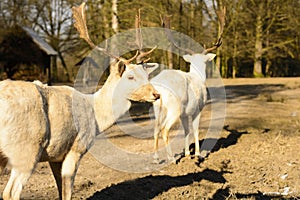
x,y
156,95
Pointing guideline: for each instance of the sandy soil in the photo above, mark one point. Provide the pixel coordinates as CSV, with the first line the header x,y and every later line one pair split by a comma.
x,y
256,157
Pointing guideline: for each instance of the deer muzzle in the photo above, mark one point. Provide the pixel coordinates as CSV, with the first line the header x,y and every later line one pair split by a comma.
x,y
146,93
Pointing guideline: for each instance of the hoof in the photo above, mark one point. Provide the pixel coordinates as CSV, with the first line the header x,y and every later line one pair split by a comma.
x,y
187,154
172,159
203,154
155,159
199,160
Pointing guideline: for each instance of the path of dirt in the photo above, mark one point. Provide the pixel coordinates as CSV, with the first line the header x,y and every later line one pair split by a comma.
x,y
256,157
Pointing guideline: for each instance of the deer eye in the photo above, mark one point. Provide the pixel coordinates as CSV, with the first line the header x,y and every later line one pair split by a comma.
x,y
144,66
130,77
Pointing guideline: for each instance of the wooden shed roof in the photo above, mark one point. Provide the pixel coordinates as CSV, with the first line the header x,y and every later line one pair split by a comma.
x,y
43,45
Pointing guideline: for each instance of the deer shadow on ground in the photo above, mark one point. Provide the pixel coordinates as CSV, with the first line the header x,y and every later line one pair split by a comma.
x,y
215,144
223,194
150,186
230,140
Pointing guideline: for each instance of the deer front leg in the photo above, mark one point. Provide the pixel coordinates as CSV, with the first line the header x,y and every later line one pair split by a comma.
x,y
68,172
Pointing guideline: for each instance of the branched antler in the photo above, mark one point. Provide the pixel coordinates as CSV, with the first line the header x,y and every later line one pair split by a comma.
x,y
139,40
221,13
221,16
138,31
80,25
166,23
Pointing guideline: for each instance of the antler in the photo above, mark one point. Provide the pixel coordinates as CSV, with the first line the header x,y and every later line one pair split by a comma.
x,y
80,25
166,24
139,40
221,16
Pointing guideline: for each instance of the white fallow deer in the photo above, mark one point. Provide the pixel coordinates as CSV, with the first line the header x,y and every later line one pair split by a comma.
x,y
59,124
183,95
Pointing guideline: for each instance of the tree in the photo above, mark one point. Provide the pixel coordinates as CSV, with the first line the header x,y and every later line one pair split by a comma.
x,y
270,22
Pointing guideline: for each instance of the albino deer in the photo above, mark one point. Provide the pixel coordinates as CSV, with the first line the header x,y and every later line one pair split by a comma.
x,y
58,124
183,95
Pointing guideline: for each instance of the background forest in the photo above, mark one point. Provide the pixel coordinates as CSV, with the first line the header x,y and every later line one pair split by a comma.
x,y
261,38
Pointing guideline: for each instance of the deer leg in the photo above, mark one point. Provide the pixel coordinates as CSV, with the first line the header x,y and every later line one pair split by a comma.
x,y
68,172
156,134
165,136
171,118
195,125
56,170
15,184
22,168
185,124
23,159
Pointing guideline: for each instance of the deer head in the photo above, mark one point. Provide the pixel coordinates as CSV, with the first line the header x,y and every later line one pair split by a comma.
x,y
132,79
198,60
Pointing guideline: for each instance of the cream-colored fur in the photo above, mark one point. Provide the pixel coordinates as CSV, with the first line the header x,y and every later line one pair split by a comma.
x,y
58,124
183,96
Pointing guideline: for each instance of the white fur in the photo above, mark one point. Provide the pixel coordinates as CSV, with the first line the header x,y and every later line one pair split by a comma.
x,y
58,124
182,97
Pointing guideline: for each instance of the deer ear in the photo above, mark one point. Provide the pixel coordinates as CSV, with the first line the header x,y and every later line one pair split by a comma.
x,y
121,67
187,58
210,56
150,67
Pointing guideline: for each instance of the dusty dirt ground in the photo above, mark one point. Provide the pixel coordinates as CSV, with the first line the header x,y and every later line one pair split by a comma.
x,y
256,157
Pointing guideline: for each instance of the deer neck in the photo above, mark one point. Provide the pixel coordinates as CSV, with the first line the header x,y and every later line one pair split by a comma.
x,y
109,104
198,71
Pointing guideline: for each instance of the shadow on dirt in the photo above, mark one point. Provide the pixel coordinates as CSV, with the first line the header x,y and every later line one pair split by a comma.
x,y
217,143
150,186
237,93
225,193
230,140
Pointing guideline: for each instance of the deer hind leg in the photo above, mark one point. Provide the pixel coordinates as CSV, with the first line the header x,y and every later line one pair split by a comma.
x,y
15,184
171,119
159,124
156,134
195,124
23,160
186,128
68,172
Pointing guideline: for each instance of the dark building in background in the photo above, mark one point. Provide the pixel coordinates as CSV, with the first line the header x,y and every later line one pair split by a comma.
x,y
24,55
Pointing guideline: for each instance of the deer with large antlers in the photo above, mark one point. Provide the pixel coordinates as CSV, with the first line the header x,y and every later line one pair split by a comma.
x,y
59,124
183,94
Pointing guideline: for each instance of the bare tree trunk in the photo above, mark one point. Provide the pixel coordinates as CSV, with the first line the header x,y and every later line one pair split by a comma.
x,y
234,56
170,59
216,5
258,51
114,25
64,65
